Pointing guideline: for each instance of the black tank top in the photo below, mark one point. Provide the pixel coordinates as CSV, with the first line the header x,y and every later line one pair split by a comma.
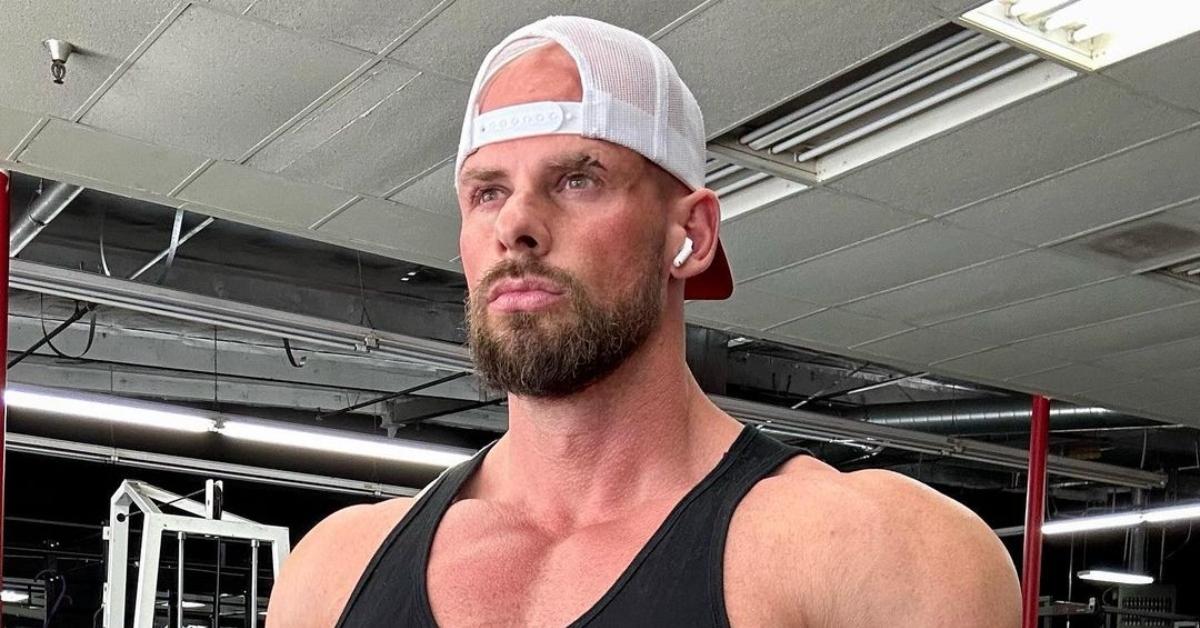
x,y
677,579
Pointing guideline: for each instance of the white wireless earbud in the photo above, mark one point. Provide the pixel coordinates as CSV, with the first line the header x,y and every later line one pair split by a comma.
x,y
685,252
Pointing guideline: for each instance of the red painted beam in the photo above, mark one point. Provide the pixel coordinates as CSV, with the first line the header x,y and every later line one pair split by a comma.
x,y
4,189
1035,512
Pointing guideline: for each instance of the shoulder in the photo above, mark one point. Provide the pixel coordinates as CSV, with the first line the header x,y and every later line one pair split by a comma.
x,y
324,567
876,547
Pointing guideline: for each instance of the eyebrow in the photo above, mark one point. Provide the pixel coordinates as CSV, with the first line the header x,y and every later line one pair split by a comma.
x,y
577,161
573,161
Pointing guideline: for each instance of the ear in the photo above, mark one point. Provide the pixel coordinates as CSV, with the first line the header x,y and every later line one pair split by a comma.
x,y
699,216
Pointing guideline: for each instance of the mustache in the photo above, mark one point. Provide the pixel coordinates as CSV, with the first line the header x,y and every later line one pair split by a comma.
x,y
526,267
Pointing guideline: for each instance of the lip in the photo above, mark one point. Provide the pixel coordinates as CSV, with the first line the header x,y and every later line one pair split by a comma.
x,y
523,293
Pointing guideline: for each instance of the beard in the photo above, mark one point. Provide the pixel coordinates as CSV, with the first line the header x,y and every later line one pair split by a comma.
x,y
554,353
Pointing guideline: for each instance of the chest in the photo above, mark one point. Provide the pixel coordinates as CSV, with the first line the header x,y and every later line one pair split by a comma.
x,y
487,569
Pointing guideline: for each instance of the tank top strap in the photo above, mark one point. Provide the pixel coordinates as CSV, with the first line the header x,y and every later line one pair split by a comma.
x,y
415,531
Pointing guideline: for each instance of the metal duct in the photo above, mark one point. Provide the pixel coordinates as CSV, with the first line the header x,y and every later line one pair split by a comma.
x,y
45,208
991,416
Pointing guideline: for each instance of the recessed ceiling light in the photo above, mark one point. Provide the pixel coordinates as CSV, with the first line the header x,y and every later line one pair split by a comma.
x,y
1089,34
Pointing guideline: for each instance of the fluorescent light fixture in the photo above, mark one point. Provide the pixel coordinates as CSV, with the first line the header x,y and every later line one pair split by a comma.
x,y
328,440
13,597
1085,524
123,412
1088,33
1123,520
162,416
1172,513
1116,577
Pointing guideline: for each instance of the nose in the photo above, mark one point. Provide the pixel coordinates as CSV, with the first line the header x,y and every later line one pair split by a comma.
x,y
521,225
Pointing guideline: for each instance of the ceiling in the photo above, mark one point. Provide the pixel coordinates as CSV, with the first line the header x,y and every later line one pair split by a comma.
x,y
994,252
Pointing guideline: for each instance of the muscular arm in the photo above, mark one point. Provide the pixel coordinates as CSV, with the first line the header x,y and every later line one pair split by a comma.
x,y
320,574
928,561
874,548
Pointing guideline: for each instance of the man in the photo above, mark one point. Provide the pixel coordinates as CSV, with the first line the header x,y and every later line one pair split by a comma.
x,y
620,495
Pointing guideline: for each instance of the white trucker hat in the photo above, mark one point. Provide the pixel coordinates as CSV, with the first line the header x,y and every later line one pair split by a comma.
x,y
632,97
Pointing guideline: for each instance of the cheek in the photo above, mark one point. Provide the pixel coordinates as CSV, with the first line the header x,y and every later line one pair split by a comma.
x,y
472,249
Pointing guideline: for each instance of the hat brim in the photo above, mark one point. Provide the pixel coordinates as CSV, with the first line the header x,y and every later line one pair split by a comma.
x,y
715,283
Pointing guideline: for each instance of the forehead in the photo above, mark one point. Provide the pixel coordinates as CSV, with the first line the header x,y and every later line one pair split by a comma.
x,y
549,152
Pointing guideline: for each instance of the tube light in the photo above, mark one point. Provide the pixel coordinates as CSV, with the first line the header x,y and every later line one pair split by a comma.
x,y
130,412
1117,577
1088,33
325,440
1123,520
1084,524
1172,513
13,597
161,416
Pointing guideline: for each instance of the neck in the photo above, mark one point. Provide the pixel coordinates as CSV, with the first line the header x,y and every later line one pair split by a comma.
x,y
644,432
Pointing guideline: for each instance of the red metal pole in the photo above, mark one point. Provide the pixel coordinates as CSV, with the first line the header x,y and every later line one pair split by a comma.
x,y
1035,511
3,363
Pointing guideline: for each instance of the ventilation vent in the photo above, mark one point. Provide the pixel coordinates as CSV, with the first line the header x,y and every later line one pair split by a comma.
x,y
1187,271
919,90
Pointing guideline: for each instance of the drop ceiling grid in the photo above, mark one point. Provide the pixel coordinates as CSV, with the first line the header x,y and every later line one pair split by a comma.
x,y
986,286
1075,202
1168,73
106,35
897,258
1013,146
456,40
1063,311
194,89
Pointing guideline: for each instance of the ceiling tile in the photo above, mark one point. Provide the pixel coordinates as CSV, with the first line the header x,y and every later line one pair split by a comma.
x,y
196,88
433,192
1090,304
801,226
1152,242
886,262
956,7
360,99
1189,378
232,6
1168,72
262,198
1074,379
395,226
1016,145
1145,394
366,24
769,54
456,41
1126,334
1153,360
838,328
1118,187
1000,363
76,149
411,130
105,36
986,286
751,308
922,346
14,126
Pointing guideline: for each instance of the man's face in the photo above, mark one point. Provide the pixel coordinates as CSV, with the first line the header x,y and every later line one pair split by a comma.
x,y
562,245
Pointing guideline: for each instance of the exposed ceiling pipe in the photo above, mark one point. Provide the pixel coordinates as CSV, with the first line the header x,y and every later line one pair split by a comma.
x,y
991,416
45,208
